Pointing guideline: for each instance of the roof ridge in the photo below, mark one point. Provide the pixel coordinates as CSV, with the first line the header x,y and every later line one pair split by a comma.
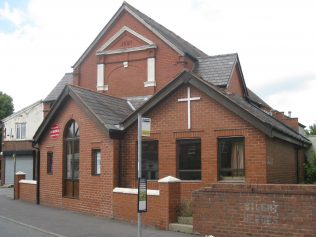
x,y
95,92
218,55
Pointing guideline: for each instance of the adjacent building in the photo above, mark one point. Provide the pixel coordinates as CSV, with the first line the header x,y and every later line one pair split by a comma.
x,y
18,131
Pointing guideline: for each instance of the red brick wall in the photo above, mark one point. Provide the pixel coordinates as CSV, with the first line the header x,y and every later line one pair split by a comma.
x,y
209,121
168,63
235,84
95,191
27,192
255,210
282,162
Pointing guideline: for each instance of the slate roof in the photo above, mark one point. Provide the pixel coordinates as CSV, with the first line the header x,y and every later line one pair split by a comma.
x,y
168,36
216,69
265,117
53,95
109,110
254,97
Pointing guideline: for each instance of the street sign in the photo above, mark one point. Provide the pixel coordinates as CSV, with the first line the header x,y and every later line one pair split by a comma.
x,y
142,195
146,124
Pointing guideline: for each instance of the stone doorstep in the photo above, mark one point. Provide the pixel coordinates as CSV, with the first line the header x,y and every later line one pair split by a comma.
x,y
185,220
183,228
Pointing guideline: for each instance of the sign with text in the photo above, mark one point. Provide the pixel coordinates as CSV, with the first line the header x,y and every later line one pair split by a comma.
x,y
146,124
54,131
142,195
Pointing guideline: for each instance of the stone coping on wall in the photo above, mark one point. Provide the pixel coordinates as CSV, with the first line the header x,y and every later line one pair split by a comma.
x,y
290,189
26,181
150,192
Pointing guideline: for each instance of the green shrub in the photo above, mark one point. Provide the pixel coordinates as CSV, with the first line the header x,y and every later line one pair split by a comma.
x,y
310,169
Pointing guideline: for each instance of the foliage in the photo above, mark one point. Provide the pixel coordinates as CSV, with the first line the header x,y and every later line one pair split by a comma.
x,y
6,105
310,169
185,209
311,129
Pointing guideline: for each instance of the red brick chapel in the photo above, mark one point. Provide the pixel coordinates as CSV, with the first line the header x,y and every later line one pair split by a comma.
x,y
206,125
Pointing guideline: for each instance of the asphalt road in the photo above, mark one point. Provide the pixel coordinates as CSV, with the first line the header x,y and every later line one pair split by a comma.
x,y
9,228
22,219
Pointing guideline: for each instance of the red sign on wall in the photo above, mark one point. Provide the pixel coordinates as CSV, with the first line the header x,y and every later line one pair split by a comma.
x,y
54,131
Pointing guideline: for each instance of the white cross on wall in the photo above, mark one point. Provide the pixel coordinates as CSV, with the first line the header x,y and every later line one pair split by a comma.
x,y
189,99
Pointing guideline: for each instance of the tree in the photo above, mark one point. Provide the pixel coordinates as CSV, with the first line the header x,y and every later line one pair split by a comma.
x,y
311,129
6,105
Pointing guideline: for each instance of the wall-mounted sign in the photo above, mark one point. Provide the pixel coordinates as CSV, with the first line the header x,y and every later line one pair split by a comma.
x,y
54,131
142,195
146,124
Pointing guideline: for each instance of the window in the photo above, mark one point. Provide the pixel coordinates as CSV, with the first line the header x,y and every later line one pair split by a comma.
x,y
231,158
150,160
49,162
96,162
20,129
189,159
71,162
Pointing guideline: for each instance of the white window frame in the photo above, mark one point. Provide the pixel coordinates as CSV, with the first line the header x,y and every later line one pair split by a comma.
x,y
20,131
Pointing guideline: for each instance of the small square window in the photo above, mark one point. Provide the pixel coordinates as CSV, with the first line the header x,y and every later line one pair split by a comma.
x,y
231,158
96,162
49,162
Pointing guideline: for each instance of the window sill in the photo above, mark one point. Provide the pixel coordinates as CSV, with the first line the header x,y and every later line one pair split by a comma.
x,y
191,181
75,198
232,181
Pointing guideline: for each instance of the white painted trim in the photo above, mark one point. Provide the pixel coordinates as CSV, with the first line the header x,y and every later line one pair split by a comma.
x,y
150,192
119,33
130,105
19,173
25,181
127,50
151,66
149,83
103,88
155,31
169,179
100,75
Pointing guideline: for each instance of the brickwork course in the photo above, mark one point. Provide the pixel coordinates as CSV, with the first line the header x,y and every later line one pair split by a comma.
x,y
107,118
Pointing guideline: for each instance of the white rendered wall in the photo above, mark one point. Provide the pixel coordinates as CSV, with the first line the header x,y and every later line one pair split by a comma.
x,y
31,115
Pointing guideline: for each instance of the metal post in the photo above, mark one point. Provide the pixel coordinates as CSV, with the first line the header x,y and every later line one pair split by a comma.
x,y
139,149
14,178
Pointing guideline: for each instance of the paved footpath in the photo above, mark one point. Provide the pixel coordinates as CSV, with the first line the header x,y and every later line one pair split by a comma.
x,y
41,221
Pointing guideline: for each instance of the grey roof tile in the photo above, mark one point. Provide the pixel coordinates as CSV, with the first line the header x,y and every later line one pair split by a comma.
x,y
265,117
109,110
254,97
216,69
53,95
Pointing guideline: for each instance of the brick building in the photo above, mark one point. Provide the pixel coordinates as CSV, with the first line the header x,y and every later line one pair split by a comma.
x,y
206,125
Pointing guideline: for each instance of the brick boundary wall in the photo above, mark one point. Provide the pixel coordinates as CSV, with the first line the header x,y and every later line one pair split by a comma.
x,y
255,210
27,190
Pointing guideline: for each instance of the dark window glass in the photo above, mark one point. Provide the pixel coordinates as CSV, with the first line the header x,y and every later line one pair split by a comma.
x,y
150,160
189,159
231,158
50,163
96,162
72,155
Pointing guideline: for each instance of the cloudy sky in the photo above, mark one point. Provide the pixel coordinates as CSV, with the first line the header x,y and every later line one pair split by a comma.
x,y
276,41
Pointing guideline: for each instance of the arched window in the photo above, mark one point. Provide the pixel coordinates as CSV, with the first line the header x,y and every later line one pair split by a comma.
x,y
71,160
